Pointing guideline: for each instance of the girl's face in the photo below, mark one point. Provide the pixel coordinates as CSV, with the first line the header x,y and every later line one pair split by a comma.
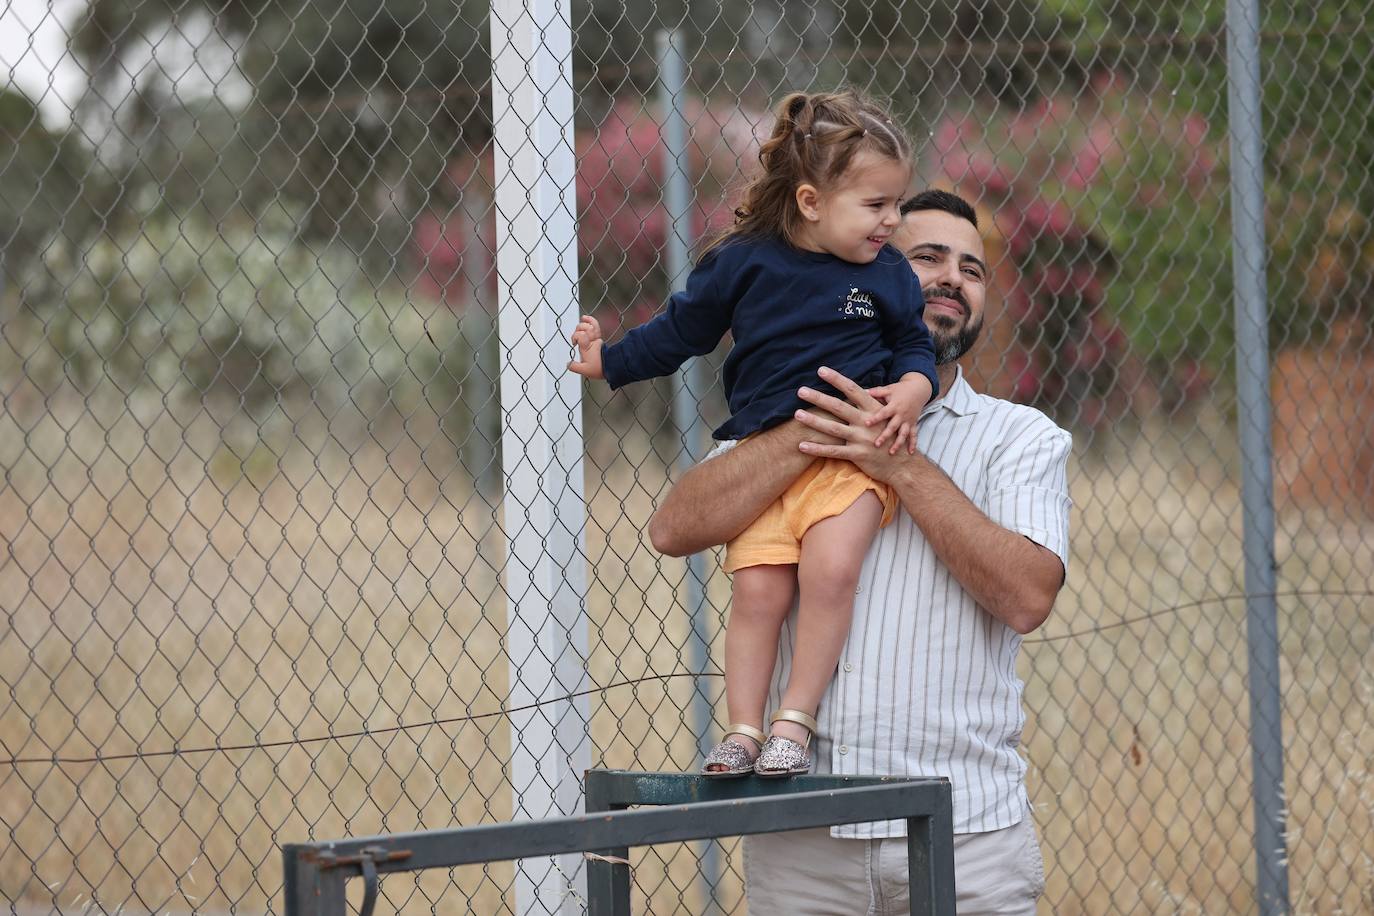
x,y
855,217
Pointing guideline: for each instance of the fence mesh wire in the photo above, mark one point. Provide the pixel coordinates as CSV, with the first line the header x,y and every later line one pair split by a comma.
x,y
252,504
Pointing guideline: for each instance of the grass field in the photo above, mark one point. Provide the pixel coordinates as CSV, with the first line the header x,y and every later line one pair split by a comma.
x,y
168,585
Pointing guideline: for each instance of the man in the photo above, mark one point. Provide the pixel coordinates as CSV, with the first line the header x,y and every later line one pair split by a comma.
x,y
927,684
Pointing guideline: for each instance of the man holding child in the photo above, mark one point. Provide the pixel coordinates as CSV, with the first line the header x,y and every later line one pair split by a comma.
x,y
927,682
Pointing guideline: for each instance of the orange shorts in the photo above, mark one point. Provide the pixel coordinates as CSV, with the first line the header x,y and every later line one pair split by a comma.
x,y
825,489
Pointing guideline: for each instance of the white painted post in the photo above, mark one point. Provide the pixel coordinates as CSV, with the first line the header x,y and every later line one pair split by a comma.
x,y
541,440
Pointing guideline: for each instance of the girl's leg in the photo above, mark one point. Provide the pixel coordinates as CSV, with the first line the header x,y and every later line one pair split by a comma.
x,y
832,556
761,601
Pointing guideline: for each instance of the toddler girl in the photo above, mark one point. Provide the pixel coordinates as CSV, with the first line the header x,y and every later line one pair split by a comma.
x,y
803,279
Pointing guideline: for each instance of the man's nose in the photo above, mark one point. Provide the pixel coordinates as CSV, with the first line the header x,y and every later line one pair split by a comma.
x,y
950,276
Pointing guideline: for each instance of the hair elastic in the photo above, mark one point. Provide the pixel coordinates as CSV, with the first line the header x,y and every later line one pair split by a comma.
x,y
806,136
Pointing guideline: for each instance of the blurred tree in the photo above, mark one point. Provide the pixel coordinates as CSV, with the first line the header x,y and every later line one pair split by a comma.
x,y
1109,200
368,126
50,187
1318,129
354,109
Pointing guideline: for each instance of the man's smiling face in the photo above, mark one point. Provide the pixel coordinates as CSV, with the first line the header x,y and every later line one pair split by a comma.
x,y
946,251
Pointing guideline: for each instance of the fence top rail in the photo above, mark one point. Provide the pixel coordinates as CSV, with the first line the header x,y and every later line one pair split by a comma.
x,y
606,789
916,798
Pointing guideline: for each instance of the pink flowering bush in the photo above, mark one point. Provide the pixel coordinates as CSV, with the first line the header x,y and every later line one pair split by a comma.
x,y
1111,203
1112,206
622,224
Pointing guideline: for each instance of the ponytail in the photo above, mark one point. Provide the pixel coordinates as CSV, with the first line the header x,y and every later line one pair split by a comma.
x,y
814,141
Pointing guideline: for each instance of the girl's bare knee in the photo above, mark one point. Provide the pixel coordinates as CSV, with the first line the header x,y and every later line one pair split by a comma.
x,y
834,573
763,593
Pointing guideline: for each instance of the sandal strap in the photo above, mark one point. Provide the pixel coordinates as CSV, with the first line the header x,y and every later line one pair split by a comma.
x,y
748,731
795,715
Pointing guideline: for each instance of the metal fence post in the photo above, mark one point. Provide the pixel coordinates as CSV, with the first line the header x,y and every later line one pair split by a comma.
x,y
309,889
546,638
688,385
1257,481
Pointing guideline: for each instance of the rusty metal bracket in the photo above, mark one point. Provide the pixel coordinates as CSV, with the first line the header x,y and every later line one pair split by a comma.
x,y
367,859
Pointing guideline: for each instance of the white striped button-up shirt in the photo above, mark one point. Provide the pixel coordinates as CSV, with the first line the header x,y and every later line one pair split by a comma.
x,y
927,682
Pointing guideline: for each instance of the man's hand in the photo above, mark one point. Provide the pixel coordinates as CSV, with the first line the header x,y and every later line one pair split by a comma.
x,y
849,425
902,406
1012,577
587,337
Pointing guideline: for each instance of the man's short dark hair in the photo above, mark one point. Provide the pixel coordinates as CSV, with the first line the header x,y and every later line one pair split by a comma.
x,y
935,199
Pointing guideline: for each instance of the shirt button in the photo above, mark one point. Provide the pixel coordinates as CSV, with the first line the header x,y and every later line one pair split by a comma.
x,y
844,749
848,666
858,589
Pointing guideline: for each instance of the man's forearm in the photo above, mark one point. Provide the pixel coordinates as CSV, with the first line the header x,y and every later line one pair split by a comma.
x,y
717,499
1014,578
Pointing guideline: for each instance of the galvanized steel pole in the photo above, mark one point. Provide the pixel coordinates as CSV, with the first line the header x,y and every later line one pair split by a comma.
x,y
541,441
1256,446
688,385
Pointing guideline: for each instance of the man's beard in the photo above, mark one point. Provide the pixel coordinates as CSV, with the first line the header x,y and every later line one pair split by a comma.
x,y
949,343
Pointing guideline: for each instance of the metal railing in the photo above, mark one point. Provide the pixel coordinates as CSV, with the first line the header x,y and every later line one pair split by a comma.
x,y
693,808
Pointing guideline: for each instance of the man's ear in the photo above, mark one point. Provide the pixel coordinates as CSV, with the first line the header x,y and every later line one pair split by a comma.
x,y
808,202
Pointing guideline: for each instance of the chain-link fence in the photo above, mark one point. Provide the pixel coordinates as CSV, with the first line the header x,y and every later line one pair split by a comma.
x,y
271,572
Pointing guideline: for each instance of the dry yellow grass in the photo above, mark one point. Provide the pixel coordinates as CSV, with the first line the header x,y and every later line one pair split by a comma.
x,y
1138,735
199,588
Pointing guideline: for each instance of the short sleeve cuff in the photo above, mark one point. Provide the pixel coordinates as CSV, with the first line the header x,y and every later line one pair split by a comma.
x,y
1039,513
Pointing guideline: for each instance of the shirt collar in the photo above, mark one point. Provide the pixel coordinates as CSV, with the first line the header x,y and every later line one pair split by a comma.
x,y
960,399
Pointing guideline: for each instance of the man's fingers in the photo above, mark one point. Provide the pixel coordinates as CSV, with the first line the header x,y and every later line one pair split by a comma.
x,y
830,404
830,427
821,450
850,389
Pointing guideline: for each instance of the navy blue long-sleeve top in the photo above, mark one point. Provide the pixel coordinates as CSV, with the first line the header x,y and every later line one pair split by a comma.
x,y
790,311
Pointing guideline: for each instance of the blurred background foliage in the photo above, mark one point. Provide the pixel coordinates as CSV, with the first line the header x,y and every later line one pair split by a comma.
x,y
358,135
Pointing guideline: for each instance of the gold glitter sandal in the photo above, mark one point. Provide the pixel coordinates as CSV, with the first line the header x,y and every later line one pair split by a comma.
x,y
782,756
734,758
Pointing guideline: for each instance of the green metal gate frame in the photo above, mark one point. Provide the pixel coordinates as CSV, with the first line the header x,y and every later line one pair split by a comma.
x,y
686,807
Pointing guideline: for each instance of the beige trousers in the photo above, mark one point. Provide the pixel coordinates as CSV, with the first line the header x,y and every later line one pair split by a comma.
x,y
810,873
